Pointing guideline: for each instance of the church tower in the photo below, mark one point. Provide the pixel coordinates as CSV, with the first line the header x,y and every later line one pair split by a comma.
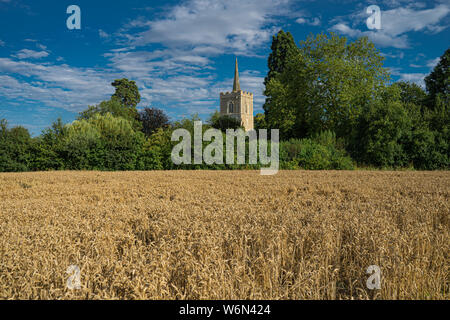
x,y
238,104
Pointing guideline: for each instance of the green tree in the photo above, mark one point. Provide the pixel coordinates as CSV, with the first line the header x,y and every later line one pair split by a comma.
x,y
283,49
223,122
438,82
115,108
383,131
260,121
103,142
127,92
411,93
48,148
325,86
15,148
152,119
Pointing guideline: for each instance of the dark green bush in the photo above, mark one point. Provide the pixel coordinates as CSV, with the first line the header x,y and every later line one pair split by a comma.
x,y
15,148
320,153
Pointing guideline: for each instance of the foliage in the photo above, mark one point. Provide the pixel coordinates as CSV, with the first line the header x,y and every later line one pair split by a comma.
x,y
15,148
325,86
378,138
283,49
152,119
260,121
127,92
115,108
224,122
320,153
103,142
438,82
411,93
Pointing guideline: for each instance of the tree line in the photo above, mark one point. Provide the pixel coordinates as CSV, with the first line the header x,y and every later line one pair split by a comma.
x,y
332,100
328,84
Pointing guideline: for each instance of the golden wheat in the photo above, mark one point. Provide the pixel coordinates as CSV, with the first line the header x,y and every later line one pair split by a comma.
x,y
224,235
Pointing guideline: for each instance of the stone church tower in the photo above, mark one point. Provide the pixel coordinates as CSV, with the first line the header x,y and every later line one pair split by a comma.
x,y
238,104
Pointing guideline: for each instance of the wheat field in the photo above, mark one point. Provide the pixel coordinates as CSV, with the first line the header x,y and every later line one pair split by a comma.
x,y
224,235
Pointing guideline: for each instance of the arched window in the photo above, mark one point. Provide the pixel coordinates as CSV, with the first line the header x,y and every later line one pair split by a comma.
x,y
246,108
230,107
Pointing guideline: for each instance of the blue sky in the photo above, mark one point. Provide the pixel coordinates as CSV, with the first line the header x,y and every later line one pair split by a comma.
x,y
181,53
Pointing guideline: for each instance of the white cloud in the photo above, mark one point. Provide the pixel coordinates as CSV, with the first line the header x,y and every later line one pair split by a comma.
x,y
402,20
103,34
31,54
395,23
237,26
58,86
316,22
312,22
399,55
2,43
417,78
433,63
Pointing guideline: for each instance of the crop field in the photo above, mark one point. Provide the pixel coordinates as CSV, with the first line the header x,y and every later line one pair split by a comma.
x,y
224,235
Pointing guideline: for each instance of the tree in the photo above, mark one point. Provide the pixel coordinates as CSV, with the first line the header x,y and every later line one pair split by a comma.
x,y
383,131
115,108
411,93
325,86
283,49
260,121
15,148
438,82
103,142
224,122
152,119
126,92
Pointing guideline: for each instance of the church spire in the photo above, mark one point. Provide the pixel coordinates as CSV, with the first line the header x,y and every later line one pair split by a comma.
x,y
236,84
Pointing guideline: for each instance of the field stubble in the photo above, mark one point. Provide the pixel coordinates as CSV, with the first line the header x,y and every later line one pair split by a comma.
x,y
224,235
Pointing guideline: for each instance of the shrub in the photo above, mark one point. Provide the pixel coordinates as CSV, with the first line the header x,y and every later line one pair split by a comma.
x,y
224,122
103,142
320,153
381,135
15,148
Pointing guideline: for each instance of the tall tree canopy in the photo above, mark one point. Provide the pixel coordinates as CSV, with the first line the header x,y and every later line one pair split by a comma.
x,y
152,119
122,104
438,82
411,93
224,122
127,92
115,108
283,49
324,86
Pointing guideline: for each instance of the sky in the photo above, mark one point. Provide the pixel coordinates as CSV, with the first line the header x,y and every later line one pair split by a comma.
x,y
181,53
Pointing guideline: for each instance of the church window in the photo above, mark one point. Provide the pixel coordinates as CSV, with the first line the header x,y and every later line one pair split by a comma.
x,y
231,107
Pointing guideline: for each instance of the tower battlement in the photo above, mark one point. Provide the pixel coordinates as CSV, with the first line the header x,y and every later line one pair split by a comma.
x,y
247,93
